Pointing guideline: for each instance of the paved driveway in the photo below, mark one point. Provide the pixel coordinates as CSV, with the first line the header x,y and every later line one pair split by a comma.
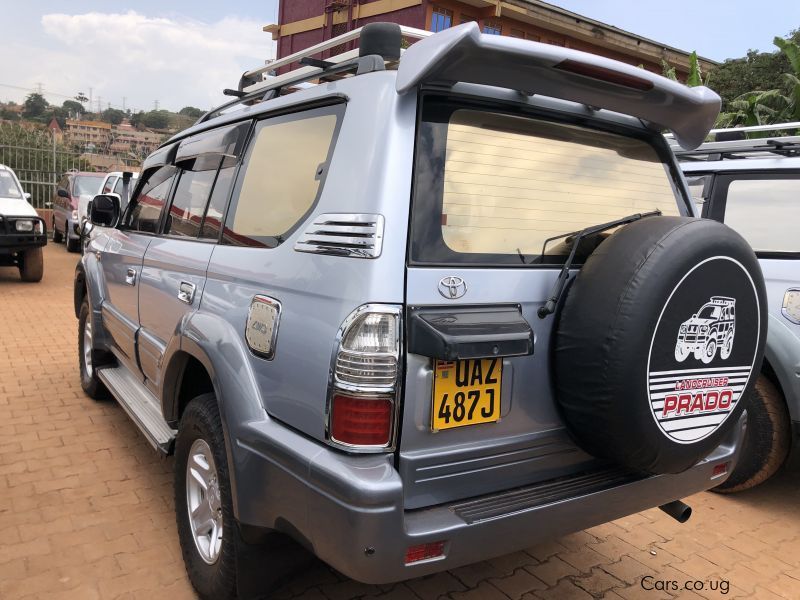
x,y
86,505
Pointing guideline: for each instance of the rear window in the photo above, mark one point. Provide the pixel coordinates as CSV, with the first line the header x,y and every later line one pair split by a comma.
x,y
766,212
493,187
88,185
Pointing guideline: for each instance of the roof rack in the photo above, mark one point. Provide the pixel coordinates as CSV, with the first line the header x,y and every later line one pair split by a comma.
x,y
733,144
376,39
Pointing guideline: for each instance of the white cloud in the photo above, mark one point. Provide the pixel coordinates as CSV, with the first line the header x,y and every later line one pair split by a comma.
x,y
177,61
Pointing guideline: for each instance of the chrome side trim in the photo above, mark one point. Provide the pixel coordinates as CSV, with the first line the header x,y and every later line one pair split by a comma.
x,y
353,235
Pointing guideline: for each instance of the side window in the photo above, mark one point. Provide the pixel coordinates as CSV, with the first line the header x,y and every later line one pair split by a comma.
x,y
765,211
109,186
284,171
191,196
212,223
147,207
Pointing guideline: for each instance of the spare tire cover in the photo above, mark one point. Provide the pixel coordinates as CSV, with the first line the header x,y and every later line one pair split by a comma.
x,y
657,342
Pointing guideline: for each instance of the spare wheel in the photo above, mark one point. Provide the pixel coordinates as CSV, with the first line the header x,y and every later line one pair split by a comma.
x,y
660,336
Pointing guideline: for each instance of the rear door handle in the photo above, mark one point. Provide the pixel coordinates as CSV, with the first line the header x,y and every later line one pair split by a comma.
x,y
130,277
186,292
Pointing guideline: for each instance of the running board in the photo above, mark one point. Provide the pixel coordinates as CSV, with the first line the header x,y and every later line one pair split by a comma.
x,y
142,407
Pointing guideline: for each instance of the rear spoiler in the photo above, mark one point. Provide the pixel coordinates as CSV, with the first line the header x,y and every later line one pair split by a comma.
x,y
463,54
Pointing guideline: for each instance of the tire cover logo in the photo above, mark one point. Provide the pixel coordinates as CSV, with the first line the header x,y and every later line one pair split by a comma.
x,y
703,349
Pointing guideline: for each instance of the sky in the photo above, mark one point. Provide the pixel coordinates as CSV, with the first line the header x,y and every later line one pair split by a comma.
x,y
184,52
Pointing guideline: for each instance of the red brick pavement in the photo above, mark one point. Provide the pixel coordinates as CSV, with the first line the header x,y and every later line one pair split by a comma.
x,y
86,506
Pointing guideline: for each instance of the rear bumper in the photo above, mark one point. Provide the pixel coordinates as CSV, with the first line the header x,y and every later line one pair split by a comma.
x,y
349,509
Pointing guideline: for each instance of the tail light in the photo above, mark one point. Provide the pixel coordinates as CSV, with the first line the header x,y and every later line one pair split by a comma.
x,y
365,380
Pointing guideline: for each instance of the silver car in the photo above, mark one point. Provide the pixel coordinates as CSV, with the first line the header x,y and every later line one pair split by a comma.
x,y
417,308
753,185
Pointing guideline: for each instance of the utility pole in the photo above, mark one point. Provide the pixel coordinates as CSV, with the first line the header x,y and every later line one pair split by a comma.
x,y
90,98
123,103
155,104
99,103
39,88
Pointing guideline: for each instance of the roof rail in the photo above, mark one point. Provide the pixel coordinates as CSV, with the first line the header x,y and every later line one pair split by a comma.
x,y
743,148
257,83
751,129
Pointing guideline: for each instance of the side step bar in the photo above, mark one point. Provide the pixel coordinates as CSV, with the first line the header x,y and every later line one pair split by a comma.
x,y
142,407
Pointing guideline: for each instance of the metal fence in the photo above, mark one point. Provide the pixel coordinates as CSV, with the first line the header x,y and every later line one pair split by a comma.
x,y
41,157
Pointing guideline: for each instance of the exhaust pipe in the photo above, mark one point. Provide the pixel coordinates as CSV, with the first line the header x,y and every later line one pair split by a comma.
x,y
677,510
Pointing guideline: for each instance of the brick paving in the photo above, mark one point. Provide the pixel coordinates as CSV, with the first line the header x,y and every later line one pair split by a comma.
x,y
86,506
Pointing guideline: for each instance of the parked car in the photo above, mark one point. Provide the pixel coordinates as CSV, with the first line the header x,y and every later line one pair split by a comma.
x,y
114,183
754,186
22,231
345,309
71,188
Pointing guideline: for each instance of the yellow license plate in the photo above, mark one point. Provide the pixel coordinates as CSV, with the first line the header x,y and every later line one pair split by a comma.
x,y
466,392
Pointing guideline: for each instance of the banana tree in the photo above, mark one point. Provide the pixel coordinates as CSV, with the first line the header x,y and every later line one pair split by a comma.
x,y
791,51
755,108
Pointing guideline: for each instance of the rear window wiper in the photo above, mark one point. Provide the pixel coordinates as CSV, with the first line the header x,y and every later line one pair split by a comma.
x,y
558,288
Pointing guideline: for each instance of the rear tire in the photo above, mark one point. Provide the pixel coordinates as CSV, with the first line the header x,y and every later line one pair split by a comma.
x,y
767,441
89,358
31,268
57,236
210,559
72,245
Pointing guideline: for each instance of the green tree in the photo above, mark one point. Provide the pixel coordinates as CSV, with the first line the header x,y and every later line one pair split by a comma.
x,y
73,108
754,108
157,119
791,50
137,119
35,106
191,111
113,116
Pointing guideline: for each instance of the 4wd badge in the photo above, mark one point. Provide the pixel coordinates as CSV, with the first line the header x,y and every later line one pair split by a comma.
x,y
695,378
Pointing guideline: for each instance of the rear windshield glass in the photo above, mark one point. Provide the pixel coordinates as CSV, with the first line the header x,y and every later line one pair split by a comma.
x,y
766,212
494,187
88,185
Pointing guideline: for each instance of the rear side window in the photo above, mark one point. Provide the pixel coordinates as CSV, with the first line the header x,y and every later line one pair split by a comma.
x,y
496,188
766,211
189,203
149,204
284,170
109,186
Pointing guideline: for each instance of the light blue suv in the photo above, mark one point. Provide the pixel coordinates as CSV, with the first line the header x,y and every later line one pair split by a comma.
x,y
753,185
414,309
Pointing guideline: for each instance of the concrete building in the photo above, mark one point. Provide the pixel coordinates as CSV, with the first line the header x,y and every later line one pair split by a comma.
x,y
127,140
88,134
303,23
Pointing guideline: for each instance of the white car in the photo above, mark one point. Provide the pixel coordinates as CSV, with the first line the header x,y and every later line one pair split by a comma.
x,y
112,184
22,231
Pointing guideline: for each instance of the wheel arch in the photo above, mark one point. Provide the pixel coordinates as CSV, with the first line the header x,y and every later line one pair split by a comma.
x,y
779,365
209,352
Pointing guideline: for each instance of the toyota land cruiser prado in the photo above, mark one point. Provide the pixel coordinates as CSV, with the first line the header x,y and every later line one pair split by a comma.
x,y
423,312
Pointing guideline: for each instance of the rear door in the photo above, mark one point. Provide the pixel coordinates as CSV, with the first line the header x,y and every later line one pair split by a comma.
x,y
493,187
764,207
175,264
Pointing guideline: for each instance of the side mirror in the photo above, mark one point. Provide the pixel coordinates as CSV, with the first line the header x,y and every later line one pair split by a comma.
x,y
62,193
27,196
104,210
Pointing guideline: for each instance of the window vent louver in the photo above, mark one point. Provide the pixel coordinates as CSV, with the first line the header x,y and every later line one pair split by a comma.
x,y
351,235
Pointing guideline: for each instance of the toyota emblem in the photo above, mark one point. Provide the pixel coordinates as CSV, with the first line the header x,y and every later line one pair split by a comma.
x,y
452,287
